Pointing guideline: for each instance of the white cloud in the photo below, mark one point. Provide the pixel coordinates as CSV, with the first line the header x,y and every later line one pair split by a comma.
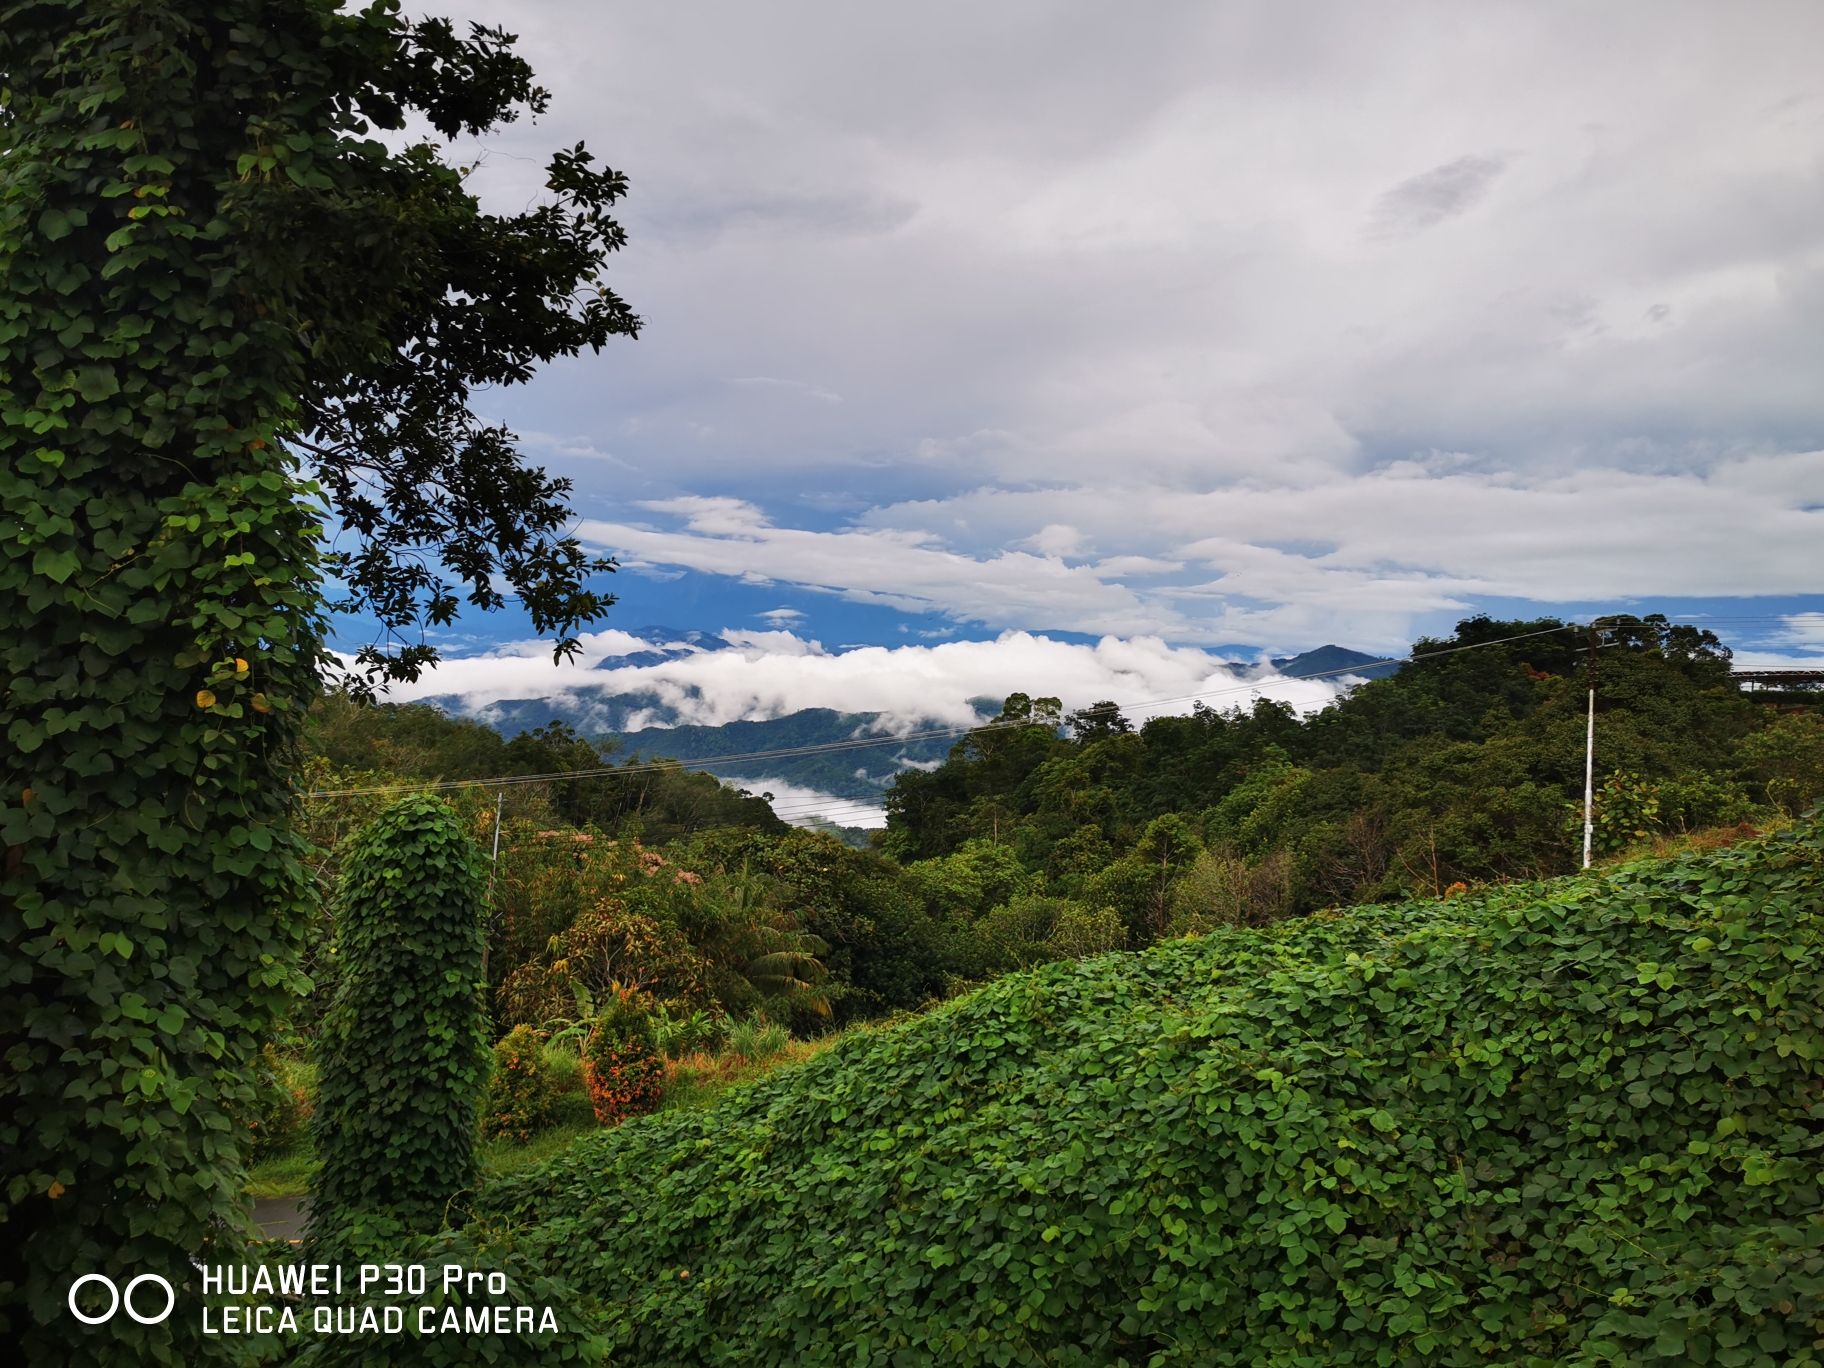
x,y
801,806
1803,629
1358,558
773,674
1354,312
902,568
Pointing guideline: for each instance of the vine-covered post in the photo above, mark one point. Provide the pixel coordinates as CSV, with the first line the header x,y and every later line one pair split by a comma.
x,y
403,1052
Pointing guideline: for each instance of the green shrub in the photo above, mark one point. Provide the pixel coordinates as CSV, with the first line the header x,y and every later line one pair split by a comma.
x,y
1083,931
1555,1123
1788,758
1693,801
1223,890
286,1097
403,1053
520,1096
688,1032
622,1067
1032,929
1626,811
757,1039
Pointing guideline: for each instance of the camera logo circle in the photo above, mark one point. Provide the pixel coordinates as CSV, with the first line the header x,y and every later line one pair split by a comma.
x,y
119,1298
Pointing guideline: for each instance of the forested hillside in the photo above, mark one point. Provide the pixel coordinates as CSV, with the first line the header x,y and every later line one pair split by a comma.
x,y
1465,766
358,746
1046,837
909,1107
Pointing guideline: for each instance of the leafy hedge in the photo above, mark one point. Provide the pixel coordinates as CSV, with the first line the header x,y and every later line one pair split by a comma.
x,y
1567,1122
520,1097
403,1052
621,1065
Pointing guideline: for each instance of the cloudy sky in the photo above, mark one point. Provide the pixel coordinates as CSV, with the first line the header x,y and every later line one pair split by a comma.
x,y
1241,326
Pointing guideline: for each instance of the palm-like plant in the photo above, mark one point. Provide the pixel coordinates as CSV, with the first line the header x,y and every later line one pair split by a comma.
x,y
745,932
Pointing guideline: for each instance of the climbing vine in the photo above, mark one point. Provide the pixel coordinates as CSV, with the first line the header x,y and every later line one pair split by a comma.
x,y
1573,1122
203,253
403,1048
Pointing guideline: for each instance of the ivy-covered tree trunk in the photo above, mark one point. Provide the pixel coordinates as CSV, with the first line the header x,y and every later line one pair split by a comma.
x,y
207,262
159,637
403,1050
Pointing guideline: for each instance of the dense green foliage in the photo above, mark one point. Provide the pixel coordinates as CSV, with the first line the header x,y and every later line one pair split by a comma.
x,y
1048,838
402,1057
725,925
206,262
520,1097
159,635
1570,1122
1462,767
622,1068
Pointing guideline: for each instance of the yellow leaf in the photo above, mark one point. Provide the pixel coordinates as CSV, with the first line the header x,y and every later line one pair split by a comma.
x,y
260,704
56,1191
205,699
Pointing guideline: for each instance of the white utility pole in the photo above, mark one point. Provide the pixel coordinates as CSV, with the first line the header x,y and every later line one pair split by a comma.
x,y
1589,758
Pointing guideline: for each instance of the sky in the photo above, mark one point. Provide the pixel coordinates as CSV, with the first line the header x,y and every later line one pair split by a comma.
x,y
1231,328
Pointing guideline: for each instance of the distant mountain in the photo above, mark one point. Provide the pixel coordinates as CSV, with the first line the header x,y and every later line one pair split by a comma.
x,y
1329,659
861,772
593,709
642,723
670,643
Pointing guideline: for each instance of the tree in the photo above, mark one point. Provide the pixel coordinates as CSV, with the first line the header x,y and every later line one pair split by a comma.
x,y
214,284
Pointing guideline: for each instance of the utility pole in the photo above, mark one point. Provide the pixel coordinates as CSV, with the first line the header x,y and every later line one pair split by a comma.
x,y
1589,757
493,918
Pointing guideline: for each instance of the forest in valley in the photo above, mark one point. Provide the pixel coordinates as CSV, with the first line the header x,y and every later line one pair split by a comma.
x,y
1048,835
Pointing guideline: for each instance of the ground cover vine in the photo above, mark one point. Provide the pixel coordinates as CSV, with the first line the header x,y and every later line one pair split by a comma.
x,y
1569,1122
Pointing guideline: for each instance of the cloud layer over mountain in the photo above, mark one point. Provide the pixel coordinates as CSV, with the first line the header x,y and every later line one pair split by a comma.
x,y
759,675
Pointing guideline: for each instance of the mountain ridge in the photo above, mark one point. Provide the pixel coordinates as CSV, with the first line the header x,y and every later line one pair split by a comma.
x,y
642,723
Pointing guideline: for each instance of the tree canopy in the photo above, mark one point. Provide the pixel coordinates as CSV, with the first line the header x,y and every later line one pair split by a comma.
x,y
237,144
1458,767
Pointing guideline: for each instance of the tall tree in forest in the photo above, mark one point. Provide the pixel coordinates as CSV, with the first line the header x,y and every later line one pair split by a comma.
x,y
215,285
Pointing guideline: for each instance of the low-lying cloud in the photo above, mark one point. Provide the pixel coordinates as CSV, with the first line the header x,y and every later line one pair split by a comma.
x,y
764,675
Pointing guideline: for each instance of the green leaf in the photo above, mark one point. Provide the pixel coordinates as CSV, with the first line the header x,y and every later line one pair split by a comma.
x,y
95,383
56,565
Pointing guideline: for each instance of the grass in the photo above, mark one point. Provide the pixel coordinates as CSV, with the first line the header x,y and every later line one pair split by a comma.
x,y
695,1080
691,1081
285,1174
